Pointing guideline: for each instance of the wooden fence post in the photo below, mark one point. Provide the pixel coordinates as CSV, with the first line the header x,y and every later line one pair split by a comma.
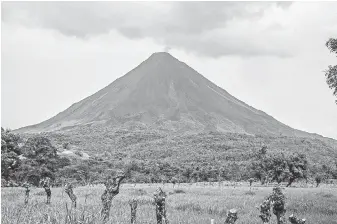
x,y
45,182
159,199
232,216
112,189
278,200
26,185
265,210
133,205
251,180
295,220
69,190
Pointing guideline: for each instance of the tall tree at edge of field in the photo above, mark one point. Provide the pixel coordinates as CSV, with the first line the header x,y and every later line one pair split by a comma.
x,y
331,72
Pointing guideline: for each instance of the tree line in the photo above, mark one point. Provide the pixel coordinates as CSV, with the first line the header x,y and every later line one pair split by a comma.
x,y
31,159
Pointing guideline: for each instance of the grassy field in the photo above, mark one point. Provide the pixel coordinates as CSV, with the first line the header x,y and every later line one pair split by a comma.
x,y
190,204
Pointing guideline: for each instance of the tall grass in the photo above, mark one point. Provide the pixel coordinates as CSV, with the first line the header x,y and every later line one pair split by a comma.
x,y
190,204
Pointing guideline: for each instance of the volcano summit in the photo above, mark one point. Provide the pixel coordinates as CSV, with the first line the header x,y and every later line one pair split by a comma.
x,y
165,93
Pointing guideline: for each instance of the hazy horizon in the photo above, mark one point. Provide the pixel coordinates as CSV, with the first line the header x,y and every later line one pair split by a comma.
x,y
269,55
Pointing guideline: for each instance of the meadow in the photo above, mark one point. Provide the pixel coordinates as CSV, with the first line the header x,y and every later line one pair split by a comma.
x,y
187,204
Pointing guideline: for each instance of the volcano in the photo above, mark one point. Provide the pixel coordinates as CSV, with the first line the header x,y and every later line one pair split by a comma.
x,y
165,93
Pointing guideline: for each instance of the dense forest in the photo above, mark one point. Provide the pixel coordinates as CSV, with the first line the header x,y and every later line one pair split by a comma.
x,y
149,157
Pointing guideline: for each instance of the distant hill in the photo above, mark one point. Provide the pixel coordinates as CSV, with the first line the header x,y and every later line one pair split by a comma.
x,y
165,94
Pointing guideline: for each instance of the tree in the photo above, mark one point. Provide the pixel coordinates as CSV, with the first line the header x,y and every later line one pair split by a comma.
x,y
9,163
279,167
40,149
32,172
298,166
332,45
259,167
10,152
41,160
10,142
331,73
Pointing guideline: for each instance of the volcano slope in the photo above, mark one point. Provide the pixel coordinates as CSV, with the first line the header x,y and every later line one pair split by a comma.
x,y
165,110
167,94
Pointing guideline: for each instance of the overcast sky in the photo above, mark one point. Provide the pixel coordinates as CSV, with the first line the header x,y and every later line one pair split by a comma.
x,y
269,55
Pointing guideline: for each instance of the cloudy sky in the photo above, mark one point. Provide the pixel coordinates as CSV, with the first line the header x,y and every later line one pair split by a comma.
x,y
270,55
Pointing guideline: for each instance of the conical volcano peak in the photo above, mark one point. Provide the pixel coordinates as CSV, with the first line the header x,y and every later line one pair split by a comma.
x,y
165,93
162,56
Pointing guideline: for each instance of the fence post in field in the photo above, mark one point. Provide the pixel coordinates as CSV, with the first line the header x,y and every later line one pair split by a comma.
x,y
111,190
265,210
251,180
26,185
278,200
159,199
294,220
69,190
45,183
133,205
232,216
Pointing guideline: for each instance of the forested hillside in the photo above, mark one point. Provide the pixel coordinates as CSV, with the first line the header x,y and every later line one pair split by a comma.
x,y
88,154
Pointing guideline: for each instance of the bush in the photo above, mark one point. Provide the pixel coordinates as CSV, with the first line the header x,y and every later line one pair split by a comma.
x,y
179,191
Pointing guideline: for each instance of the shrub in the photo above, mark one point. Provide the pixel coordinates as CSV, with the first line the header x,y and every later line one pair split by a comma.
x,y
179,191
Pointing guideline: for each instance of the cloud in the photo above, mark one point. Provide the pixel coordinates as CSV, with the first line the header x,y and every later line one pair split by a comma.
x,y
62,52
212,29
